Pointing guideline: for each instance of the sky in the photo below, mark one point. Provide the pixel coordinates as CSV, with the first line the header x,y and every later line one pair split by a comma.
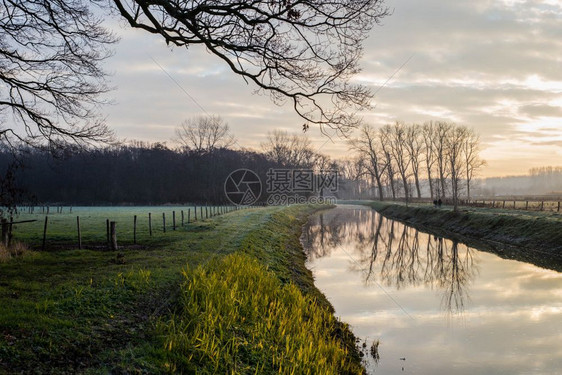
x,y
492,65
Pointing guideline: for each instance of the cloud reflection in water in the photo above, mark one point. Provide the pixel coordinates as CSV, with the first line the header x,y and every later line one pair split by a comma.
x,y
474,313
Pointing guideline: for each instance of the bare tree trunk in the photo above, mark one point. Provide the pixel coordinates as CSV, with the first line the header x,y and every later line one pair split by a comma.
x,y
406,187
113,235
430,183
417,181
5,232
443,183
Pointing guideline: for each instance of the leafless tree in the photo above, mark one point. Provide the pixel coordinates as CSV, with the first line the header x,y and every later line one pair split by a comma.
x,y
356,171
389,163
400,154
454,143
472,159
367,144
414,147
204,134
301,51
428,133
441,134
289,149
50,73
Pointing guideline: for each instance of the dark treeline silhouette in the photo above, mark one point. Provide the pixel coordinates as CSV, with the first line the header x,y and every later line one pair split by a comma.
x,y
133,174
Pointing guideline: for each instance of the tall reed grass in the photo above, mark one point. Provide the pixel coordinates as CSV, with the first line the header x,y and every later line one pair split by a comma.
x,y
17,249
236,317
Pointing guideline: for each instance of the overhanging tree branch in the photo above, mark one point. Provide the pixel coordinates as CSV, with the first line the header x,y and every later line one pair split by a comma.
x,y
50,74
301,51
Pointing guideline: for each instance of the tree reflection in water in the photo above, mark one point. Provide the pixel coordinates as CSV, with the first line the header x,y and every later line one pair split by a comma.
x,y
395,255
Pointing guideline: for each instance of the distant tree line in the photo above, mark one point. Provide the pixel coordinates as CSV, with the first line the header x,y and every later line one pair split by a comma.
x,y
131,174
437,159
144,173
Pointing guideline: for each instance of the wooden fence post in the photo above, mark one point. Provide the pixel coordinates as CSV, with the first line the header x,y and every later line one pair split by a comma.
x,y
526,205
44,233
182,221
113,235
5,233
173,220
107,231
164,222
558,210
542,205
195,212
150,224
188,215
135,230
503,206
79,234
10,230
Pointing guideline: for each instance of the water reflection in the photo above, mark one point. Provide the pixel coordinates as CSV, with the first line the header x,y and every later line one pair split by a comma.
x,y
511,321
394,255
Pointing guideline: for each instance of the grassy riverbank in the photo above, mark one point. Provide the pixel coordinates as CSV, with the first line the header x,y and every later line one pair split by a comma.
x,y
227,295
534,237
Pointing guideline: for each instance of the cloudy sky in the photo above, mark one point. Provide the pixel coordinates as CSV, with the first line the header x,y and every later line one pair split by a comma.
x,y
493,65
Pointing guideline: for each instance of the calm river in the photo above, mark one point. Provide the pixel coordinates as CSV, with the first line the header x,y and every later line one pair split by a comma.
x,y
435,305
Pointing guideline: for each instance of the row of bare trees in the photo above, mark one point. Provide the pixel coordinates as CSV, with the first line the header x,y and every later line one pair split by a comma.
x,y
400,158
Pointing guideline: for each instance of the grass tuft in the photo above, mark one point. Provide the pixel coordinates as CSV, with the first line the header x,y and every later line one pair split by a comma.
x,y
238,317
16,249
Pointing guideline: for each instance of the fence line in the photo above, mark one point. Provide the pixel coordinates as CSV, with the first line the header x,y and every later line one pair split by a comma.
x,y
516,204
526,204
111,227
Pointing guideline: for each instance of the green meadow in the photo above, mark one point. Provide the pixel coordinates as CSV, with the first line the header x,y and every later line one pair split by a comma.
x,y
228,294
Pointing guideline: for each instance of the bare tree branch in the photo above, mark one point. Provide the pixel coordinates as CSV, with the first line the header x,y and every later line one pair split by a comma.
x,y
50,74
301,51
204,134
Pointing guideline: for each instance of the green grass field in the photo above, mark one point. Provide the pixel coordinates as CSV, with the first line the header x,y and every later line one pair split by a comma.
x,y
169,304
62,227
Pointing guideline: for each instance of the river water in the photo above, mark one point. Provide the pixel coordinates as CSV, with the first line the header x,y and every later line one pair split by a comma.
x,y
436,306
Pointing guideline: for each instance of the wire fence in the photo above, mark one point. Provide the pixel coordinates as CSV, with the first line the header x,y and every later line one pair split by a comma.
x,y
44,227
